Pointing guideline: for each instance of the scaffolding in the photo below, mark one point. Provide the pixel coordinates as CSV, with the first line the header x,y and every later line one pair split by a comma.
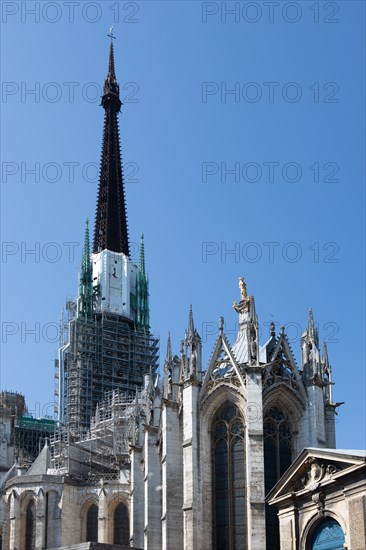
x,y
97,356
104,449
30,435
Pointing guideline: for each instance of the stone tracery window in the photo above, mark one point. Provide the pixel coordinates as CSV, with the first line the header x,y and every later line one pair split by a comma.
x,y
121,528
277,458
30,526
229,480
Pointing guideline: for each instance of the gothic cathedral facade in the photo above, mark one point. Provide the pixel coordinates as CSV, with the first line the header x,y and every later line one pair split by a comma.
x,y
181,459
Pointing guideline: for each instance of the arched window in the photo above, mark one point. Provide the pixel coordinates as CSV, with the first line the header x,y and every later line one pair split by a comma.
x,y
277,458
229,482
30,526
328,536
92,524
121,527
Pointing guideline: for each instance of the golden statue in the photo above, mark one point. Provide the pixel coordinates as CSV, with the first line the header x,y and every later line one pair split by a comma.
x,y
244,298
243,289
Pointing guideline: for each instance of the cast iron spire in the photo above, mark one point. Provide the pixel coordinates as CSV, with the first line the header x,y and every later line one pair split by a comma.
x,y
110,232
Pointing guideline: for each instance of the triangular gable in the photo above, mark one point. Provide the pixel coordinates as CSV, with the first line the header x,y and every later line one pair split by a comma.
x,y
283,346
223,360
314,467
282,368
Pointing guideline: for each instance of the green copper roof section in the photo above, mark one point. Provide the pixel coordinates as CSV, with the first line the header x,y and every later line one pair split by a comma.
x,y
142,255
85,262
85,306
143,312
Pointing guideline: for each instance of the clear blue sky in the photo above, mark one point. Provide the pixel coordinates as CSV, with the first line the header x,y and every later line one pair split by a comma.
x,y
293,131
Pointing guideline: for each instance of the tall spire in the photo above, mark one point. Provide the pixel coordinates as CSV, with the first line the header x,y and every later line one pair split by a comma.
x,y
111,231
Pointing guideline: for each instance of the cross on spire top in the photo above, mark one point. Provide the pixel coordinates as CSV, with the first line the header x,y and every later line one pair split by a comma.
x,y
111,35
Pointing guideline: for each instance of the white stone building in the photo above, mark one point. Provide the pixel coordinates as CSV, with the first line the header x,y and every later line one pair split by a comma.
x,y
322,501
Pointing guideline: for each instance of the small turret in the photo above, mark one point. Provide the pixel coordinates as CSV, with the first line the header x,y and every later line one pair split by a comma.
x,y
311,363
191,351
168,368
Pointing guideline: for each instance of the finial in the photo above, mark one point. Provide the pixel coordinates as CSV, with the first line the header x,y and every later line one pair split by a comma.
x,y
110,84
282,330
190,321
86,251
169,349
221,325
311,331
142,255
85,307
325,353
111,35
272,328
311,318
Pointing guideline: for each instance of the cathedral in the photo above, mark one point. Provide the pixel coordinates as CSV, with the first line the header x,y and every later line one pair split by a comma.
x,y
238,454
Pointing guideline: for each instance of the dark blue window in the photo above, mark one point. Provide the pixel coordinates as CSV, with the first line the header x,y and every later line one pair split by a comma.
x,y
229,491
277,458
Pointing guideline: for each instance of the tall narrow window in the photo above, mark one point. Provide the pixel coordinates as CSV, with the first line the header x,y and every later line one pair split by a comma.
x,y
30,526
92,524
277,458
229,482
121,528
